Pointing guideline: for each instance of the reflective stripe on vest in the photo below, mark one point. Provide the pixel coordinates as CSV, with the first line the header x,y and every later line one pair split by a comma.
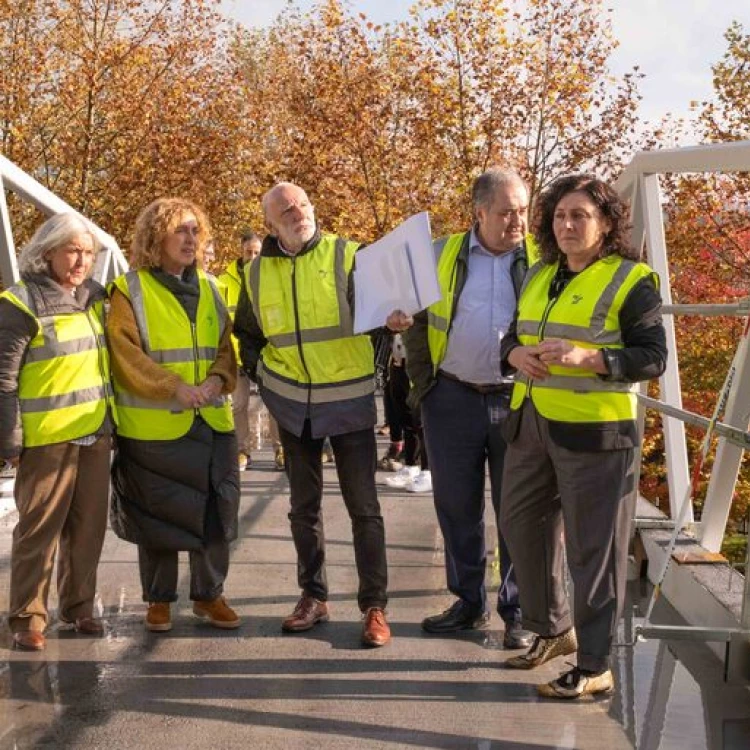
x,y
586,313
173,342
301,304
64,382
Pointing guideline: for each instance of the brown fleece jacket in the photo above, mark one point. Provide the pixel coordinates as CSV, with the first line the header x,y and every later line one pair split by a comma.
x,y
138,373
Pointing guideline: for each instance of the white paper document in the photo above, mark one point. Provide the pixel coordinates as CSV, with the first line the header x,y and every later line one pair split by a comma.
x,y
397,272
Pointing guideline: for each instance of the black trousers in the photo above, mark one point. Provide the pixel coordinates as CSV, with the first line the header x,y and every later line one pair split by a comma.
x,y
463,431
355,463
403,420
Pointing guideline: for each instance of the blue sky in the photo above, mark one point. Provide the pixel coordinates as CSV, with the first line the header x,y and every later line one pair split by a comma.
x,y
674,42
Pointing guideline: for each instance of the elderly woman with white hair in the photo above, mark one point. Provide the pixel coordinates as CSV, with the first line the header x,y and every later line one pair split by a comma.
x,y
55,427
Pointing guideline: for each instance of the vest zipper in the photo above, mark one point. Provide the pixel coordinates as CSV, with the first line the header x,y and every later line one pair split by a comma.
x,y
540,331
193,333
298,333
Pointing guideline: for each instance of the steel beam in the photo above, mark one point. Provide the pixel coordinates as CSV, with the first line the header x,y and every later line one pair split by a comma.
x,y
674,430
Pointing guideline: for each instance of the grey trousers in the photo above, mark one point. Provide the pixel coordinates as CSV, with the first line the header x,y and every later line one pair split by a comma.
x,y
208,567
548,488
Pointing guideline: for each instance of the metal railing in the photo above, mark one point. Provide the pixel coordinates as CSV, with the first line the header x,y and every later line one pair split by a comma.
x,y
639,183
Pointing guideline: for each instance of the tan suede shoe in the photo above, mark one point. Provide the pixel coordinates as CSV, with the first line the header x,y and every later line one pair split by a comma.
x,y
218,613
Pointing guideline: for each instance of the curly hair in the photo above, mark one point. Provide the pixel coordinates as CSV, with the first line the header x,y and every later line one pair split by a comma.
x,y
616,242
56,232
156,221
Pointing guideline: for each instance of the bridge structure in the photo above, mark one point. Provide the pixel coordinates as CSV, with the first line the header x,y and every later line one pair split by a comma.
x,y
685,685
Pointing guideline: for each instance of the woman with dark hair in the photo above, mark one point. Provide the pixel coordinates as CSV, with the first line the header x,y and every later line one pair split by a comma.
x,y
55,426
588,326
175,478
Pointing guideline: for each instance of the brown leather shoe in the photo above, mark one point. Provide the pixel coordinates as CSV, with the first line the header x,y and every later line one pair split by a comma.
x,y
308,613
375,631
29,640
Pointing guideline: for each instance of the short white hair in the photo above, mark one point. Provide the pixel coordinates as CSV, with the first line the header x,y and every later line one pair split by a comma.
x,y
56,232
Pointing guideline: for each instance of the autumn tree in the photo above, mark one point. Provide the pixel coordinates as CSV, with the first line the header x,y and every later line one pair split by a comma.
x,y
132,100
708,235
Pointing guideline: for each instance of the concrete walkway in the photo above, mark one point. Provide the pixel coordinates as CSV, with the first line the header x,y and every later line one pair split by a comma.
x,y
196,687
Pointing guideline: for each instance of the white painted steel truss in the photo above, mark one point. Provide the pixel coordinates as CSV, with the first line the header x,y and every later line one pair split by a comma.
x,y
639,183
109,264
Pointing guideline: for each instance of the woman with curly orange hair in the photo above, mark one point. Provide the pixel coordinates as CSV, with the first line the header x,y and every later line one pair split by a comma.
x,y
175,477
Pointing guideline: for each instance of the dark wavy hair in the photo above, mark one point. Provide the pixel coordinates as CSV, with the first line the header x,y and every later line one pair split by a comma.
x,y
616,242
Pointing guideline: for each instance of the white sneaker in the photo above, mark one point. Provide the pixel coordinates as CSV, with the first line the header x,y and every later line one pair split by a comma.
x,y
402,477
421,482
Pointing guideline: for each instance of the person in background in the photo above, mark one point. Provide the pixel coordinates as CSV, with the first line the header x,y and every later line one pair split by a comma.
x,y
245,400
453,360
175,480
55,427
414,475
588,326
295,327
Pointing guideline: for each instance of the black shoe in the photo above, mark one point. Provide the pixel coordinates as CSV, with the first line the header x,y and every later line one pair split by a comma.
x,y
515,636
455,618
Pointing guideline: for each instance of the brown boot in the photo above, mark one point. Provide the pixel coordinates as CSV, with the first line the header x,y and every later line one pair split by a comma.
x,y
158,617
307,613
29,640
375,631
218,613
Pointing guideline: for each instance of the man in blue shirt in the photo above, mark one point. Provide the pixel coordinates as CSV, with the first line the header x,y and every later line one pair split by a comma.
x,y
454,365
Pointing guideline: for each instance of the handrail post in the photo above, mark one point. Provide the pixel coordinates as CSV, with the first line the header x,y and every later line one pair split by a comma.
x,y
678,475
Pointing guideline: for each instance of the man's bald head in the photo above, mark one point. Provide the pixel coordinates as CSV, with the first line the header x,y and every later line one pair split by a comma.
x,y
289,215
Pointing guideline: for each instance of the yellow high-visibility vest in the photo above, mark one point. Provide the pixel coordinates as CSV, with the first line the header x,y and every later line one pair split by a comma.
x,y
179,346
64,385
440,313
230,286
312,355
587,314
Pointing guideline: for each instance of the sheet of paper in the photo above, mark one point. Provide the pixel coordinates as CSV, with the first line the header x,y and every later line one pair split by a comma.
x,y
397,272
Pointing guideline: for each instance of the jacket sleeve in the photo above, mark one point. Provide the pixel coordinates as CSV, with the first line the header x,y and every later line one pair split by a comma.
x,y
644,355
16,331
418,361
131,366
249,334
225,364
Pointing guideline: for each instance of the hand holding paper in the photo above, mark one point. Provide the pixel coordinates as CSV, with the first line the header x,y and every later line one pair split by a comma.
x,y
396,274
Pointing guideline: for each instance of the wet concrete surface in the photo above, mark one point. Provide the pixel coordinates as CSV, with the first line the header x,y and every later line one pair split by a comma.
x,y
196,687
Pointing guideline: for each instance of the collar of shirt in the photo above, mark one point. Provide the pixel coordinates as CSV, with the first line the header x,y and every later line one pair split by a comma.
x,y
475,246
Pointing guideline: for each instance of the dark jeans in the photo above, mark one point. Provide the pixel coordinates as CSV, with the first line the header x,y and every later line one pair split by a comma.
x,y
355,463
463,432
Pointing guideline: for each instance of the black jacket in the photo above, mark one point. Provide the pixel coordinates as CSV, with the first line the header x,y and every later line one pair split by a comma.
x,y
162,489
